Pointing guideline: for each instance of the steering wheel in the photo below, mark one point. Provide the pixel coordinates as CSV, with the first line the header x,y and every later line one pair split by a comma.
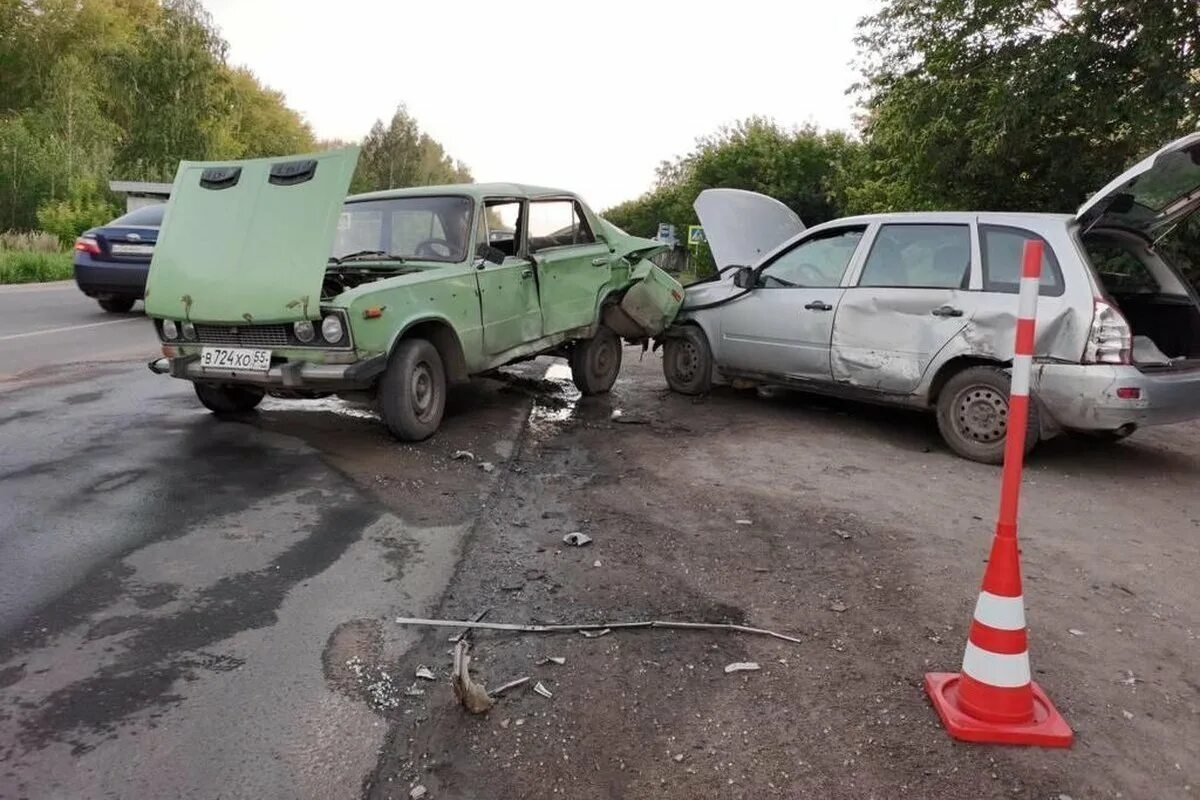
x,y
433,248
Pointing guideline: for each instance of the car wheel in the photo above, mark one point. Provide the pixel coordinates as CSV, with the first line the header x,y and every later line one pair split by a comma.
x,y
228,398
412,392
595,362
687,361
972,414
116,305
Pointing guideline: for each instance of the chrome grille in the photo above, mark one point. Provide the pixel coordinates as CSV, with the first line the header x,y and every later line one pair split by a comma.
x,y
243,335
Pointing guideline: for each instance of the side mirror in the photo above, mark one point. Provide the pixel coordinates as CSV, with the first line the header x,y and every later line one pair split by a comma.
x,y
489,255
744,278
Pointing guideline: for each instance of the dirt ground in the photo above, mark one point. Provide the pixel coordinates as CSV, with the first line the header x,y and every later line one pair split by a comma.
x,y
848,526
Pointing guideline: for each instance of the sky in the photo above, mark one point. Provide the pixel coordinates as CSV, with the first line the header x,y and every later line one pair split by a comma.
x,y
588,97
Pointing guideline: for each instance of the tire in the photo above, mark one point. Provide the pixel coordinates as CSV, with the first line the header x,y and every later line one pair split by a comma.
x,y
116,305
412,391
972,415
228,398
596,362
687,361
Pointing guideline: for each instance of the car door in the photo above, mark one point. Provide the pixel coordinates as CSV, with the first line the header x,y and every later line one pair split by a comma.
x,y
508,292
572,266
911,298
782,327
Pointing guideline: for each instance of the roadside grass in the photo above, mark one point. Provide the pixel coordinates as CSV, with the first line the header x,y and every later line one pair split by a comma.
x,y
32,266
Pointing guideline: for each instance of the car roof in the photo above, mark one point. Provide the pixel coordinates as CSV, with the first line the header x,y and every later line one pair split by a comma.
x,y
960,217
475,190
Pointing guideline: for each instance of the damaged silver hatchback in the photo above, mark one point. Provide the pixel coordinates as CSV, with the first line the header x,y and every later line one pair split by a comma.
x,y
919,309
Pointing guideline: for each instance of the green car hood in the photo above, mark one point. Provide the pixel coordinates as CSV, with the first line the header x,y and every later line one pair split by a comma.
x,y
248,241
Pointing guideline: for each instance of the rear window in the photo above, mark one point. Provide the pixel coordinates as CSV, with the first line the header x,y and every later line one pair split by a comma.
x,y
1003,249
150,216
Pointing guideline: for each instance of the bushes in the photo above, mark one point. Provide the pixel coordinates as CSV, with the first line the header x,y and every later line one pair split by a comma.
x,y
28,266
68,218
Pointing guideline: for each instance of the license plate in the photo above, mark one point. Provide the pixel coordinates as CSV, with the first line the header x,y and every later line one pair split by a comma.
x,y
132,249
235,358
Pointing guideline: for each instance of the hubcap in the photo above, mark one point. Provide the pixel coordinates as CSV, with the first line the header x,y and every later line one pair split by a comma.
x,y
604,358
981,414
421,386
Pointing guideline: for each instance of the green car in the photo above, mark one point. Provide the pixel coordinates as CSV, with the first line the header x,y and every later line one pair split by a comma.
x,y
267,279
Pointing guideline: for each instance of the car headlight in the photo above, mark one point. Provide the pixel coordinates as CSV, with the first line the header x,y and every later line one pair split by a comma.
x,y
169,329
188,330
331,329
304,330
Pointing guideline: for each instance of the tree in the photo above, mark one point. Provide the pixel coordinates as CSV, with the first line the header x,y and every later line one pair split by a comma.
x,y
1018,104
400,154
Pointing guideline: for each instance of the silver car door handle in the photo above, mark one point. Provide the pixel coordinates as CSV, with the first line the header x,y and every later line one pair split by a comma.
x,y
817,305
526,273
947,311
599,261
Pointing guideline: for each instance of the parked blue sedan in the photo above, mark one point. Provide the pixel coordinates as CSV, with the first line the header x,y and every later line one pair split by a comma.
x,y
111,262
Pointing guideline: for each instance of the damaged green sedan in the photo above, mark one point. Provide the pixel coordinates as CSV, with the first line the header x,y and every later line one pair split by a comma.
x,y
267,279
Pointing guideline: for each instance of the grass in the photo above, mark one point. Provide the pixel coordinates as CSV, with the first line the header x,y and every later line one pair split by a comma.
x,y
32,266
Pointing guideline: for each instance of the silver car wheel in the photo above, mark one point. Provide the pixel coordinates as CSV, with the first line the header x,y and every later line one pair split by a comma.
x,y
981,414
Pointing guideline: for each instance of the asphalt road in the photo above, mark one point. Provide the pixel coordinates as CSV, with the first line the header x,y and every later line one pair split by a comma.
x,y
180,595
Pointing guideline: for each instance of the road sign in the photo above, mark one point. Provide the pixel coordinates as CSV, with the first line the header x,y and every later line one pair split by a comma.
x,y
695,235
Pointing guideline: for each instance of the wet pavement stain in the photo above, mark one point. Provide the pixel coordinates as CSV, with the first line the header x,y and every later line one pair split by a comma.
x,y
163,651
83,397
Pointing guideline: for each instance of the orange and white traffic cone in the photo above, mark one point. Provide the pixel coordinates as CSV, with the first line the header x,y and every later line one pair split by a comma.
x,y
994,698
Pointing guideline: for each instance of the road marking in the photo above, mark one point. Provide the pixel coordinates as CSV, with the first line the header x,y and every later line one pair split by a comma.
x,y
70,328
52,286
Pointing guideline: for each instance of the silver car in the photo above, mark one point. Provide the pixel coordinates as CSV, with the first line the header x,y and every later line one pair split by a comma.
x,y
918,309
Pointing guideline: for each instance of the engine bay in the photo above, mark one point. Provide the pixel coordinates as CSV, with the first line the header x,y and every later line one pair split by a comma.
x,y
339,277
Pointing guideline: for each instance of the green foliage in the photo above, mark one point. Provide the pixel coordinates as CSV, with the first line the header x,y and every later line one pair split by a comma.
x,y
1018,104
84,208
799,167
400,154
26,266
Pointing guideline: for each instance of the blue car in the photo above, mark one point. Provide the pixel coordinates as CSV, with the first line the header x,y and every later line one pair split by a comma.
x,y
111,262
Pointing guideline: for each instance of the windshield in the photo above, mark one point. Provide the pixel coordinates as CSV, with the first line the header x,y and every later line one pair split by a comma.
x,y
151,216
420,228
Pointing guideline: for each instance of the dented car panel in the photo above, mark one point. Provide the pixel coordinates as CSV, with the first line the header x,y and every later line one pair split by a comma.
x,y
894,308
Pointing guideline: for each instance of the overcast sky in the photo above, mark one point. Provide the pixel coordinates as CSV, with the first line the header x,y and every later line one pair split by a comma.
x,y
583,96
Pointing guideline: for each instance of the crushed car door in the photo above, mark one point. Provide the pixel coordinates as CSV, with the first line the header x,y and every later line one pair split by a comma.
x,y
910,300
508,293
572,265
783,326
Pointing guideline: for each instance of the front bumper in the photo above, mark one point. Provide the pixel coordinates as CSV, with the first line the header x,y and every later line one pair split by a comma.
x,y
1084,396
291,375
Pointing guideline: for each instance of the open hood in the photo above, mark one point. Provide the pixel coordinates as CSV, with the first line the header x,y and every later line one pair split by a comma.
x,y
1151,196
248,241
742,227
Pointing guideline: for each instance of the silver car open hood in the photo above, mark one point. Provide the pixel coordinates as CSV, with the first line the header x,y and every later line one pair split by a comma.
x,y
1151,196
742,227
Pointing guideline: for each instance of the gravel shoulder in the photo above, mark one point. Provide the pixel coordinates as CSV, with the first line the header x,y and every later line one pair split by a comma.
x,y
851,527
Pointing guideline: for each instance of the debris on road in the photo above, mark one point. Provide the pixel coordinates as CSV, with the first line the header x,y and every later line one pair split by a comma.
x,y
472,695
742,666
743,522
459,455
597,563
595,626
426,673
1075,632
838,606
487,466
465,632
841,534
504,687
595,634
560,660
414,691
577,539
541,689
418,792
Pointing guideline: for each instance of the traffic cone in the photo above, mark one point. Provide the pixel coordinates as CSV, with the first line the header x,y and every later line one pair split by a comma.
x,y
993,699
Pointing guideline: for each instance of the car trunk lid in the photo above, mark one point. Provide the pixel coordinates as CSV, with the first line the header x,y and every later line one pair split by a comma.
x,y
1152,196
249,241
741,227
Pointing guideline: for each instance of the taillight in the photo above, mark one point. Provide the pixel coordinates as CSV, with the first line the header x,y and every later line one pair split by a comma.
x,y
86,244
1111,338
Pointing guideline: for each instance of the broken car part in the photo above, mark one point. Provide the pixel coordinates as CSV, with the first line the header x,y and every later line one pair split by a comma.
x,y
670,624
